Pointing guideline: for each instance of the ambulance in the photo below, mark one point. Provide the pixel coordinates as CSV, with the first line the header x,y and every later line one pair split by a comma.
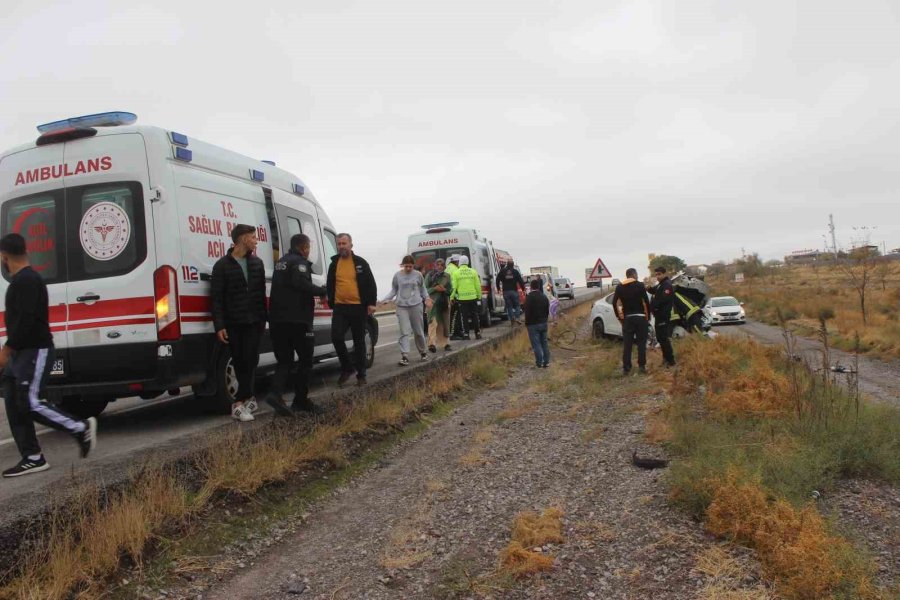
x,y
442,240
125,222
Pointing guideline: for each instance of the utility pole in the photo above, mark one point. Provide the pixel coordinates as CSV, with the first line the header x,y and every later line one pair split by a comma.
x,y
833,240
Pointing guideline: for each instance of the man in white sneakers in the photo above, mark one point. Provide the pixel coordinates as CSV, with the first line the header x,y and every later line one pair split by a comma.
x,y
26,359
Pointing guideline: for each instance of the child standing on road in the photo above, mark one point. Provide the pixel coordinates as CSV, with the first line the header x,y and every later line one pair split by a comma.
x,y
537,311
408,289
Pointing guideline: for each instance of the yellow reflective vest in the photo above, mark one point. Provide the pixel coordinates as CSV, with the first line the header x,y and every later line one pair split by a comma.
x,y
466,284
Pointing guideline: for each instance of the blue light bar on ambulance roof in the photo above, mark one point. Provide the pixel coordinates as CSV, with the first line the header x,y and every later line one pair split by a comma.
x,y
178,138
257,175
440,225
299,189
107,119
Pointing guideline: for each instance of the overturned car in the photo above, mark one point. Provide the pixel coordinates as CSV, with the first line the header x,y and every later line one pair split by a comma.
x,y
687,315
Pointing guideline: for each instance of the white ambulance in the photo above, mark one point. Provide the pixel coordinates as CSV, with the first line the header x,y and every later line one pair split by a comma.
x,y
442,240
124,223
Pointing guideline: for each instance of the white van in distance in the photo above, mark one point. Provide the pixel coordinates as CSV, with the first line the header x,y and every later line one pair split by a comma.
x,y
124,223
442,240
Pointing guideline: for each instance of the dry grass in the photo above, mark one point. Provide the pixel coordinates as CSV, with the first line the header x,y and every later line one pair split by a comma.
x,y
752,447
802,293
475,454
794,545
85,542
726,577
529,532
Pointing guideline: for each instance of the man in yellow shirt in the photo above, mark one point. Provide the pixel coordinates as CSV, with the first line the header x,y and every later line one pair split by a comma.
x,y
352,295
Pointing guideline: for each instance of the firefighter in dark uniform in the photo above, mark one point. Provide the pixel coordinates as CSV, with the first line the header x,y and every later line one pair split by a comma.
x,y
662,305
291,312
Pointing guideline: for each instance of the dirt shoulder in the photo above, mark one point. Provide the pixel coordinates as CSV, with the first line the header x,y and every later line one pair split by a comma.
x,y
431,520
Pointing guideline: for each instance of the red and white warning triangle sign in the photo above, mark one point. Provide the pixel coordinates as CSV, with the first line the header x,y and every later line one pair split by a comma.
x,y
600,270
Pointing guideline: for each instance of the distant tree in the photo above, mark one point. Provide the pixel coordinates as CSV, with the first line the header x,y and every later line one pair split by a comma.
x,y
673,264
883,273
859,269
717,268
750,265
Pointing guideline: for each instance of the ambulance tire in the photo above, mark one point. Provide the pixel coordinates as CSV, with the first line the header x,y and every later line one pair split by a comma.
x,y
83,407
485,316
225,385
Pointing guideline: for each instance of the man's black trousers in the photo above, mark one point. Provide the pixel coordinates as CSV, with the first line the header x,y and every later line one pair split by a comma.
x,y
634,330
289,339
243,342
352,317
24,382
664,337
470,315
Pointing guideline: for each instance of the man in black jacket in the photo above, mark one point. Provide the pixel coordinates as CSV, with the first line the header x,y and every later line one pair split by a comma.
x,y
291,312
26,360
509,280
633,311
537,311
352,295
239,312
661,305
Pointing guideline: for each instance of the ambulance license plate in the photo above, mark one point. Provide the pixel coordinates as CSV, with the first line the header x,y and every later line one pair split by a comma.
x,y
58,369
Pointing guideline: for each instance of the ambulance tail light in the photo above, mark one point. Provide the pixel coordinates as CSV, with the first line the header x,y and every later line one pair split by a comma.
x,y
165,292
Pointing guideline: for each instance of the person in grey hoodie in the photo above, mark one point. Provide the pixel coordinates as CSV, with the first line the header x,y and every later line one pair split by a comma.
x,y
408,290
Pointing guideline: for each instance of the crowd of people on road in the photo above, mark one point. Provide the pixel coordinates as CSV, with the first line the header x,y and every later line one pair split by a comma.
x,y
433,308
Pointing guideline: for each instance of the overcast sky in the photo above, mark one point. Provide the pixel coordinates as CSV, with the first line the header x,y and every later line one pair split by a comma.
x,y
562,130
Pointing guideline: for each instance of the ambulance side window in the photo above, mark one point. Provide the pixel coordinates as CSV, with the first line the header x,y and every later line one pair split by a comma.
x,y
293,227
106,234
330,244
40,220
311,228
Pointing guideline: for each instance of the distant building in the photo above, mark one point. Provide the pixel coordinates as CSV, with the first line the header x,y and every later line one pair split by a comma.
x,y
895,251
803,257
696,270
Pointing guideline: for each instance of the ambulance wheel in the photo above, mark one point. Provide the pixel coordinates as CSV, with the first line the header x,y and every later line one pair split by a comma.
x,y
83,407
370,347
599,330
226,385
485,316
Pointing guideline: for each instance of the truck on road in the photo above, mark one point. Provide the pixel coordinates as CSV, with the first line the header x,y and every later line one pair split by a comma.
x,y
592,281
553,272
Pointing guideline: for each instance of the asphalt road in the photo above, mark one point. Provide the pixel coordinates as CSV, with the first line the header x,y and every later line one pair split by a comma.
x,y
130,429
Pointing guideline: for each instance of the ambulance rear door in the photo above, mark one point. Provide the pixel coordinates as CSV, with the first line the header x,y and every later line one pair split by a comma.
x,y
33,201
108,222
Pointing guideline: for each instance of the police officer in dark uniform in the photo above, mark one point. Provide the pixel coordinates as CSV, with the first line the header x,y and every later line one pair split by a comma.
x,y
661,305
291,311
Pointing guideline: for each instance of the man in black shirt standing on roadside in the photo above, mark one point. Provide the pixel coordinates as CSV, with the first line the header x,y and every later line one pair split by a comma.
x,y
26,359
661,305
239,313
633,311
291,312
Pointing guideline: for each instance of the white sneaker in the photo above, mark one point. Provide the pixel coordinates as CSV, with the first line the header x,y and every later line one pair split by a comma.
x,y
250,405
240,413
424,357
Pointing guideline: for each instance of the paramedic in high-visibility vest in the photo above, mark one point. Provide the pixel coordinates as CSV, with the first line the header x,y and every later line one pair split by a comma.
x,y
352,295
239,312
661,305
467,291
26,360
